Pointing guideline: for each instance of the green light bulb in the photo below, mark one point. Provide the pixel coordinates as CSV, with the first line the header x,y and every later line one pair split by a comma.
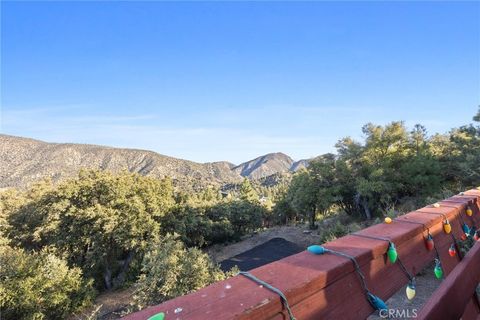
x,y
438,269
158,316
392,252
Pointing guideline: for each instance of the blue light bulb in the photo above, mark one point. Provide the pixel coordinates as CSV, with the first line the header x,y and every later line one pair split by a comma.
x,y
376,302
316,249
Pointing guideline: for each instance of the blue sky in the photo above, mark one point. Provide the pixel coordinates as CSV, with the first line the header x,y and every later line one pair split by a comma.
x,y
234,80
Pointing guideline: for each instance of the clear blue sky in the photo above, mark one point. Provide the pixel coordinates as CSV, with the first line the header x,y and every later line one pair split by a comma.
x,y
231,81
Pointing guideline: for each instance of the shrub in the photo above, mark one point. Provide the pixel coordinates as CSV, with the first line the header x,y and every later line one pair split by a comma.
x,y
170,270
338,230
40,286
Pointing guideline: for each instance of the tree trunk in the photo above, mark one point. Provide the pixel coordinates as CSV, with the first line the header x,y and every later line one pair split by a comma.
x,y
366,209
118,281
312,219
107,276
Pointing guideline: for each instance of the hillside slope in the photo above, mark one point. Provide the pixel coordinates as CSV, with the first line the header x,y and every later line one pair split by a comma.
x,y
24,160
264,166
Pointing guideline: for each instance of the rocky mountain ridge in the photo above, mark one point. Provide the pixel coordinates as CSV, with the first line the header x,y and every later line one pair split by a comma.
x,y
25,160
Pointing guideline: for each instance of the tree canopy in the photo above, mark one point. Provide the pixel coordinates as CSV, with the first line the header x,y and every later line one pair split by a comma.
x,y
392,167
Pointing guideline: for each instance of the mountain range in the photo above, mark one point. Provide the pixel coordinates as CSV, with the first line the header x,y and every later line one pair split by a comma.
x,y
25,160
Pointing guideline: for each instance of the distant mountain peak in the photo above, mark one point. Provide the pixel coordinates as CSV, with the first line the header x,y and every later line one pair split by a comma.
x,y
265,165
25,160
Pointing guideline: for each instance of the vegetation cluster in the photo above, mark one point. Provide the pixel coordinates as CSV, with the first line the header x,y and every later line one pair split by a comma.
x,y
61,244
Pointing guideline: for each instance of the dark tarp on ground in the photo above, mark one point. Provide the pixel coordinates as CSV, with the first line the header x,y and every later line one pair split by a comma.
x,y
272,250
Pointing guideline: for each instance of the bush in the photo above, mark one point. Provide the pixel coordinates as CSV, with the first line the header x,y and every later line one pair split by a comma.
x,y
40,286
170,270
219,223
338,230
245,217
190,223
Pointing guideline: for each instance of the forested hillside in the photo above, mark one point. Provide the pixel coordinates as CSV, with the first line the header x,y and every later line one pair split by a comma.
x,y
62,244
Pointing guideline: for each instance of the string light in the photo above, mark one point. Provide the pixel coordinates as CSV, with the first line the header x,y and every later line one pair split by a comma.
x,y
410,290
475,236
438,269
447,227
268,286
452,251
315,249
375,301
392,252
429,242
472,231
393,256
466,230
469,212
158,316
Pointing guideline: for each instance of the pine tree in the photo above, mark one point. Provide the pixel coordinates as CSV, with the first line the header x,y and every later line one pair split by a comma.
x,y
247,193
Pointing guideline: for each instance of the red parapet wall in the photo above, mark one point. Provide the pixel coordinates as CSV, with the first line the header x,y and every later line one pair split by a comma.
x,y
326,286
448,301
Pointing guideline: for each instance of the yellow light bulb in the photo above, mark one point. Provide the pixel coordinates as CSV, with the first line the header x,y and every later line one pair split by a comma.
x,y
410,290
447,227
410,293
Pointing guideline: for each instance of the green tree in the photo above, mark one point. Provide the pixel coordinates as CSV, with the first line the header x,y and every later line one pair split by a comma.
x,y
323,172
100,222
247,193
390,167
418,139
190,223
283,213
302,196
314,190
477,116
170,270
39,285
245,217
462,158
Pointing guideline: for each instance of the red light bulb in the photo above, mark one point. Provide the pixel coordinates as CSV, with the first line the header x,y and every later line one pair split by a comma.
x,y
429,242
452,251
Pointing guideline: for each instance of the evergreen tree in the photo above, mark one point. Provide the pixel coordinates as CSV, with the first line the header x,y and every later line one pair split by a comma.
x,y
247,193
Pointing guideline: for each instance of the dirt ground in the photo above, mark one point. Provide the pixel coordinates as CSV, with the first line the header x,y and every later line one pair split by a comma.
x,y
108,305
